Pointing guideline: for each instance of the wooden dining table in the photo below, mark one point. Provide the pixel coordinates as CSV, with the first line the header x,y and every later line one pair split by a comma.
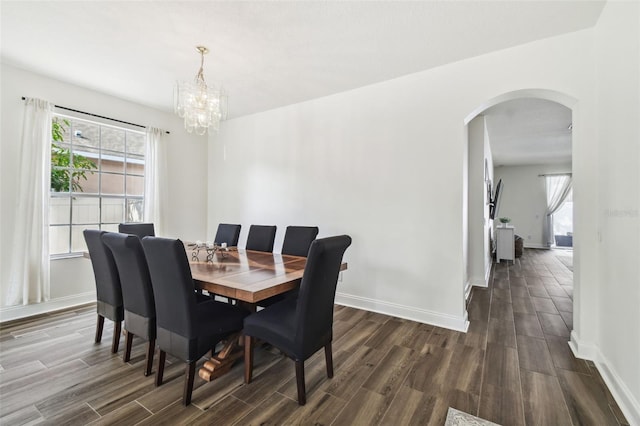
x,y
246,277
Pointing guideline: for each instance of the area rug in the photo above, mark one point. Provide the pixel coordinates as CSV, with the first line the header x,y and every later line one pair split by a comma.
x,y
460,418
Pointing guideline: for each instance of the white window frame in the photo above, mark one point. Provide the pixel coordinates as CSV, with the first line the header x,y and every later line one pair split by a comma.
x,y
71,195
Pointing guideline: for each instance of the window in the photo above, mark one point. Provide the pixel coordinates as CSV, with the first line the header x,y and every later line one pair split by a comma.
x,y
563,217
97,180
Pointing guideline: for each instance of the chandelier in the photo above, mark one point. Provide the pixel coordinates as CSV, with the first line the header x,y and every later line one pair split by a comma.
x,y
201,106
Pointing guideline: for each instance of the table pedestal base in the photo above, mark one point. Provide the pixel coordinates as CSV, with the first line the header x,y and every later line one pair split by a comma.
x,y
222,362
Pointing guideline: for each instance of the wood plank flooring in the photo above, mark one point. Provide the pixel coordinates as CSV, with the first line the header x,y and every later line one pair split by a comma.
x,y
512,367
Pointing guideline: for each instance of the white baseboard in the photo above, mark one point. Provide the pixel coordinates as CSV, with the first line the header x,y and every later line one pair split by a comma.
x,y
467,291
11,313
481,282
624,398
535,246
407,312
582,349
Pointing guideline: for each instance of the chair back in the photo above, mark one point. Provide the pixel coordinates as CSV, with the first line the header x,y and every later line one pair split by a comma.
x,y
314,311
137,292
228,233
139,229
108,288
261,238
173,287
298,239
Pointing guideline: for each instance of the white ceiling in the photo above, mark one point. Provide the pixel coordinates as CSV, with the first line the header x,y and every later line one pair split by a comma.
x,y
270,54
266,54
529,131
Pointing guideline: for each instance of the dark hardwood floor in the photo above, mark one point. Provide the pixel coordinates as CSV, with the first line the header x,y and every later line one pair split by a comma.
x,y
512,367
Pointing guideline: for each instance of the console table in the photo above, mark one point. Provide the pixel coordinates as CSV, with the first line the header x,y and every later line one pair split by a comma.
x,y
505,243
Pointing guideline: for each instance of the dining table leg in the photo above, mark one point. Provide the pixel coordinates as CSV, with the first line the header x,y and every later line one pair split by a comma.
x,y
222,362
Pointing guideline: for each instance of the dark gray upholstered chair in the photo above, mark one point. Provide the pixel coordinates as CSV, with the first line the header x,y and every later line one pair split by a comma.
x,y
228,233
137,293
261,238
108,290
186,329
300,327
298,239
139,229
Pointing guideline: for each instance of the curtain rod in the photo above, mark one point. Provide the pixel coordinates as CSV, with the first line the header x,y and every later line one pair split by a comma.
x,y
100,116
555,174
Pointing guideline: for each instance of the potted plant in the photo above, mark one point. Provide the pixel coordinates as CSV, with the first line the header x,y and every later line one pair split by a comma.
x,y
505,221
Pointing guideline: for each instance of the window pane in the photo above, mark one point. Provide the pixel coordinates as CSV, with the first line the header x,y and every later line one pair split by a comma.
x,y
58,239
135,165
85,134
135,143
112,184
77,237
135,185
112,140
85,210
85,170
135,210
59,211
65,127
563,220
112,162
110,228
86,182
112,210
60,164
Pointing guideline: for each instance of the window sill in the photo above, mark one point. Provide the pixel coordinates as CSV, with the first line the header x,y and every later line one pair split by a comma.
x,y
65,256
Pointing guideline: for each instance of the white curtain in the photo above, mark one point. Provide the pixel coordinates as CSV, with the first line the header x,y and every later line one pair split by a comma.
x,y
155,182
558,188
29,276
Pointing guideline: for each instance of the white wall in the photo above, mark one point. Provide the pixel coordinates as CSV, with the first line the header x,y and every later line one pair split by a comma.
x,y
524,199
384,164
618,329
479,223
188,160
488,222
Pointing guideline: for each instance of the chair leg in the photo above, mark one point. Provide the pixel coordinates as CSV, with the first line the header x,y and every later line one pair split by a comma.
x,y
161,358
116,336
328,356
302,393
248,358
99,328
128,341
188,383
151,348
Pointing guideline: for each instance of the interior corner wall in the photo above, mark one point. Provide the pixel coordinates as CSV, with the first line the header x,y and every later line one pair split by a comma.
x,y
616,304
488,222
466,246
383,163
187,195
524,199
478,209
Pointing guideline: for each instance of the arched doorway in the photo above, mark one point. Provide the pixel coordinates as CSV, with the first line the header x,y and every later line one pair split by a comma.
x,y
539,94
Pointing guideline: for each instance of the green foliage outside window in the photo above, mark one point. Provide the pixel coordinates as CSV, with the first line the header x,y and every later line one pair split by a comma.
x,y
63,172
